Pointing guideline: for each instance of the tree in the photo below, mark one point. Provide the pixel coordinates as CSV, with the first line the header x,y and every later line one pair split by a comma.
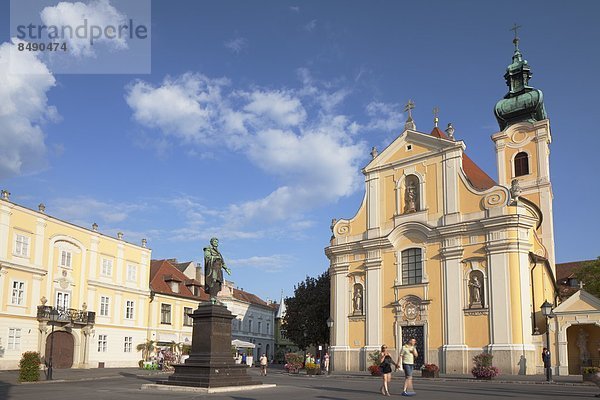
x,y
589,274
146,348
305,321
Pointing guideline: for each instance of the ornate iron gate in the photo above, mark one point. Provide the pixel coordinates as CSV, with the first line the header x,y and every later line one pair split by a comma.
x,y
417,332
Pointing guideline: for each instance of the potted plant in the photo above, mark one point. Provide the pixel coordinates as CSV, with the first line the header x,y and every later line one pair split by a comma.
x,y
312,368
483,368
589,373
430,371
374,368
293,363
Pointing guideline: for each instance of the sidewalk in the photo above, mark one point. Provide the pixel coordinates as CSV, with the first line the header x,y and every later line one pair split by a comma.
x,y
525,379
62,375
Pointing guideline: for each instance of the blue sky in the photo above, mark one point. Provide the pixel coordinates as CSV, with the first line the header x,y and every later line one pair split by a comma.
x,y
258,116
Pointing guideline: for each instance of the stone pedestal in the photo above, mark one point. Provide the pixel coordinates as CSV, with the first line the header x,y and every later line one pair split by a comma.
x,y
211,363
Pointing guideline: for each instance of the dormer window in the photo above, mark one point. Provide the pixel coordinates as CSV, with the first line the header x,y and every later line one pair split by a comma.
x,y
173,283
521,164
174,287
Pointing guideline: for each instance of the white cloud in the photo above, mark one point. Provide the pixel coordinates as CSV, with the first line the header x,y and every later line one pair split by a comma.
x,y
186,107
85,210
385,117
315,156
311,25
99,13
295,8
282,108
273,263
236,45
23,109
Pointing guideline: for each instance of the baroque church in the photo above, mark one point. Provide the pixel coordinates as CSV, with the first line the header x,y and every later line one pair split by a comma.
x,y
441,252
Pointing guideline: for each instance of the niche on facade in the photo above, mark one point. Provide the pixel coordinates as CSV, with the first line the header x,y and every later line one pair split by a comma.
x,y
475,287
357,295
412,198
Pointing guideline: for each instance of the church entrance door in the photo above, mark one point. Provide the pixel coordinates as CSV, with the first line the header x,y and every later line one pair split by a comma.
x,y
417,332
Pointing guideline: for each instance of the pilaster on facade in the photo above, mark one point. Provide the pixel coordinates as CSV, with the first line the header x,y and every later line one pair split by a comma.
x,y
340,291
373,298
5,213
452,254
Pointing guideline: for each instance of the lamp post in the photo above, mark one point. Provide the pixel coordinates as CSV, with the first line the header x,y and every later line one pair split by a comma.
x,y
329,325
547,313
53,317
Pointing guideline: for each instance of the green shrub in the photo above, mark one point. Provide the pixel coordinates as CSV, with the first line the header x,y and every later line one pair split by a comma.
x,y
29,367
591,370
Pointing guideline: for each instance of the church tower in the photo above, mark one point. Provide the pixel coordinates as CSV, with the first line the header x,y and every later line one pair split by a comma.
x,y
522,145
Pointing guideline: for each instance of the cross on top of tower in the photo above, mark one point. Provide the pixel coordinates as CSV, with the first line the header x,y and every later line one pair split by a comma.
x,y
436,111
408,107
515,29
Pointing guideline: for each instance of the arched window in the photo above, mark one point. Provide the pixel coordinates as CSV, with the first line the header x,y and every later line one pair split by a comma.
x,y
412,266
521,164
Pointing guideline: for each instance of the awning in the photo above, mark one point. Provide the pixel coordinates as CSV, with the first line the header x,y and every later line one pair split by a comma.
x,y
240,344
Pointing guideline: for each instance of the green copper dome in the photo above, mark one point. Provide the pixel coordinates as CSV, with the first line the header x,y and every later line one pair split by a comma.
x,y
522,102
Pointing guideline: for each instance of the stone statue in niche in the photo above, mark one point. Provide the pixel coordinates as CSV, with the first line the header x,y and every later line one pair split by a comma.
x,y
357,299
582,339
475,289
411,198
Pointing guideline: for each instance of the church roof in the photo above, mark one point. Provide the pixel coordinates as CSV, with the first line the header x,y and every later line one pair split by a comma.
x,y
477,177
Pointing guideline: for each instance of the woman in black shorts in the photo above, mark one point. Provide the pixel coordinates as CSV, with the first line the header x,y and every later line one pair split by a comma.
x,y
385,363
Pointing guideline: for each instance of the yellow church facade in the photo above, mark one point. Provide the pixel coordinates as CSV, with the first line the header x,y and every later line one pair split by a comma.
x,y
441,252
94,286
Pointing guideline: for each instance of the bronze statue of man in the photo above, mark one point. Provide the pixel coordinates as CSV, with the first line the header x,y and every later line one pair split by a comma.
x,y
213,266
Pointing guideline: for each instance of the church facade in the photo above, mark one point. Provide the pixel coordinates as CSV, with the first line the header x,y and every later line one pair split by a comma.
x,y
441,252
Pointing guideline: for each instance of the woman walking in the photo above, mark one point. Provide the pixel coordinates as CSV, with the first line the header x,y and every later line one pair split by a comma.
x,y
385,363
408,355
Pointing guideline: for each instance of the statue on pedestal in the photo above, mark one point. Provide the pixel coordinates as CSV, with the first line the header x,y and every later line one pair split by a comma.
x,y
213,270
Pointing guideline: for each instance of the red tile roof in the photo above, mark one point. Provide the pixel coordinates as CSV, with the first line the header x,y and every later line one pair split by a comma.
x,y
478,178
568,270
249,298
162,271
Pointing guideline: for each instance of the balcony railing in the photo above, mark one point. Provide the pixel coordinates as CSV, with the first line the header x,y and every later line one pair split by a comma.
x,y
71,315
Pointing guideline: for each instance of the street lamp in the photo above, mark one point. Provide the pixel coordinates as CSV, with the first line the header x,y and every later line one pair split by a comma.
x,y
53,317
547,313
329,325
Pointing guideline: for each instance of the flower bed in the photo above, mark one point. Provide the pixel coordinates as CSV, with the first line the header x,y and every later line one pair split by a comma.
x,y
430,371
375,370
483,368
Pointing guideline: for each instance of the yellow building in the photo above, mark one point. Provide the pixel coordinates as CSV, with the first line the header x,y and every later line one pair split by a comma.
x,y
441,252
96,285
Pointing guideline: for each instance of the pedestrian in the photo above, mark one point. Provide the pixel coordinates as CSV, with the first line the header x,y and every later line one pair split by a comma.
x,y
244,358
263,365
407,355
161,359
326,362
546,360
385,363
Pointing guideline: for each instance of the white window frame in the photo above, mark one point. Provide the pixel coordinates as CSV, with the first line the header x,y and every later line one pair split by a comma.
x,y
17,297
187,320
129,309
63,300
102,343
107,267
21,248
14,339
65,259
104,306
163,321
131,273
128,344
